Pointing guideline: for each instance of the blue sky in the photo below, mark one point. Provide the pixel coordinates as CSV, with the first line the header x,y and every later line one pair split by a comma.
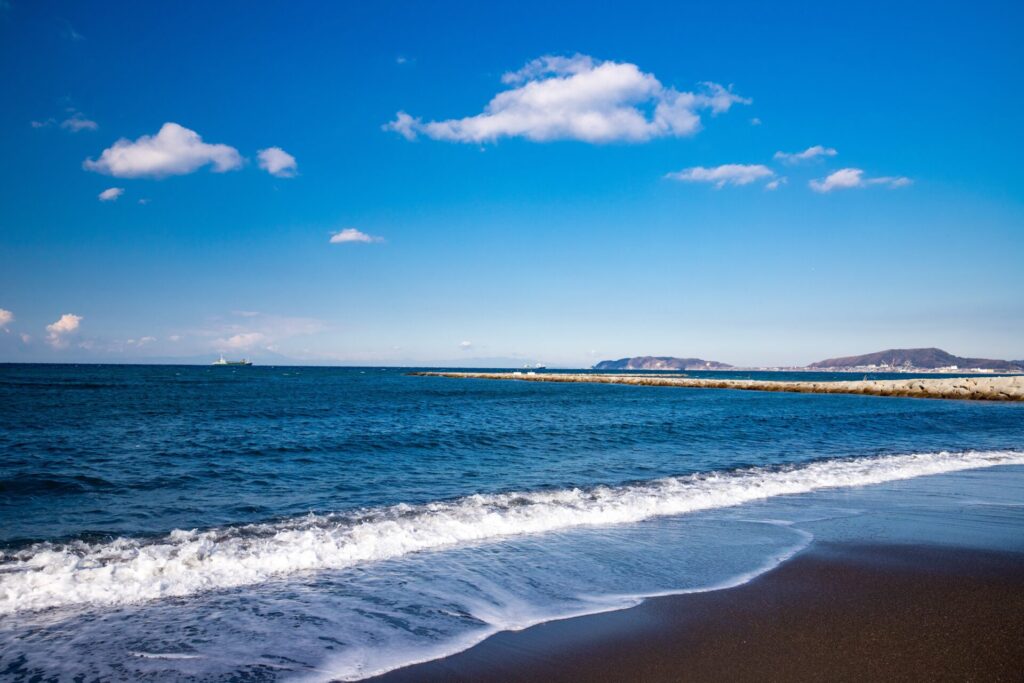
x,y
581,182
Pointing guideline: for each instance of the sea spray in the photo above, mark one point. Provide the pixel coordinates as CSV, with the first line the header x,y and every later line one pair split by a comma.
x,y
129,570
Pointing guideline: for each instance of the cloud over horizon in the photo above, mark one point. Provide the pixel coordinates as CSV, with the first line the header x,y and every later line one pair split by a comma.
x,y
174,150
849,178
65,325
6,318
579,98
253,330
726,174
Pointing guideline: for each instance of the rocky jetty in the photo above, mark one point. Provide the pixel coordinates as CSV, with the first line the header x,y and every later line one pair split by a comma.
x,y
966,388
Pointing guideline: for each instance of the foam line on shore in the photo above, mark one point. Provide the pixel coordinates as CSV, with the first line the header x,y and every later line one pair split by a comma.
x,y
129,570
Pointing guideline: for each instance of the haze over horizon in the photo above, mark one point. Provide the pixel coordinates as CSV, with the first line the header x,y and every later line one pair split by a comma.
x,y
594,185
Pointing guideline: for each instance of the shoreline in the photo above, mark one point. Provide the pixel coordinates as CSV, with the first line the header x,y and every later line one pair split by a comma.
x,y
834,611
1004,388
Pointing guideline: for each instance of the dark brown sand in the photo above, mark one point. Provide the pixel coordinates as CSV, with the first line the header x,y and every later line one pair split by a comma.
x,y
834,613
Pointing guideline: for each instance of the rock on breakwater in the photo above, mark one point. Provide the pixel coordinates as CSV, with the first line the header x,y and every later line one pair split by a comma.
x,y
968,388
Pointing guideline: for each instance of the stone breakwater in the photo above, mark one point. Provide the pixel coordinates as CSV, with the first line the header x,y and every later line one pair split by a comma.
x,y
968,388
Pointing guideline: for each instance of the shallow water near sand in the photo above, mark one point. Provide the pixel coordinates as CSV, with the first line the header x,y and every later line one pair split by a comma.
x,y
282,523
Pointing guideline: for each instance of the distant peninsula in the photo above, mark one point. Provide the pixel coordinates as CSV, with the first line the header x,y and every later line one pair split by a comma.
x,y
661,363
922,359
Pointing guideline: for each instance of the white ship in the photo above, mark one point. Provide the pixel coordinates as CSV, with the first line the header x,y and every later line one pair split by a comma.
x,y
224,361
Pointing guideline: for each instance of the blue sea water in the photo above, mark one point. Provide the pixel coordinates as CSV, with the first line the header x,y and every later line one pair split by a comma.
x,y
172,522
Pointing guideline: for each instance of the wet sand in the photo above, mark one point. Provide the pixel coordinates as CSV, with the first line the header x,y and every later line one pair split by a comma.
x,y
836,612
966,388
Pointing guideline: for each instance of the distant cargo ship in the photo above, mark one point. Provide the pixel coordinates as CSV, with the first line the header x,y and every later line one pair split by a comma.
x,y
223,361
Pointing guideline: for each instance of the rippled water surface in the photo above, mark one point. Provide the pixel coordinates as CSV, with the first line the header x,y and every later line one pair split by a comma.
x,y
167,522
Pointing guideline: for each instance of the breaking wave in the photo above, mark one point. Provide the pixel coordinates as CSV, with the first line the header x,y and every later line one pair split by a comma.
x,y
128,570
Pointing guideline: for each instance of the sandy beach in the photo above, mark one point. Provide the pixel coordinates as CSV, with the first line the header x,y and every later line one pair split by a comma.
x,y
1003,388
836,612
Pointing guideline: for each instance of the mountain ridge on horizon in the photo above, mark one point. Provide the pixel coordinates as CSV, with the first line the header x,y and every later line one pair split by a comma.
x,y
661,363
930,358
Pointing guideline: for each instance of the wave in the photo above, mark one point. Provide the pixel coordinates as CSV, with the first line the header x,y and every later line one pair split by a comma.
x,y
128,570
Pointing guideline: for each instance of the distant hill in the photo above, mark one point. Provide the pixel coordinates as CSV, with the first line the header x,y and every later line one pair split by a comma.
x,y
661,363
918,358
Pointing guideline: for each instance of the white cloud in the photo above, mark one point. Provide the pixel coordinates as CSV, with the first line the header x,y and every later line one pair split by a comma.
x,y
174,150
277,162
67,324
241,341
111,194
245,330
175,337
353,235
404,124
579,98
726,174
755,121
6,318
890,181
77,122
775,184
465,345
42,124
142,341
25,338
807,154
848,178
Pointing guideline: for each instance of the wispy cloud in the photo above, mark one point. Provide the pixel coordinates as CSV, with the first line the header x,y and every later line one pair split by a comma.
x,y
250,330
776,184
174,150
71,34
277,162
726,174
111,194
6,318
58,331
465,345
78,122
242,341
849,178
46,123
352,235
579,98
806,155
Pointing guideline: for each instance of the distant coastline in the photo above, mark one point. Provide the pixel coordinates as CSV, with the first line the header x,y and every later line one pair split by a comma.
x,y
922,360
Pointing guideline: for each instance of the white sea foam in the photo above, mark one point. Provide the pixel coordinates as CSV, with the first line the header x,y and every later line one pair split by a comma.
x,y
186,562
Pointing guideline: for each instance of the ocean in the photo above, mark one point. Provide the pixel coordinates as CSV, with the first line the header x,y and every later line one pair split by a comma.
x,y
299,523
